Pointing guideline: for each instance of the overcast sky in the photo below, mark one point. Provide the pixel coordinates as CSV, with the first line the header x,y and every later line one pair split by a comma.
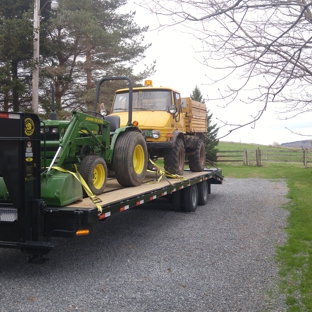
x,y
178,66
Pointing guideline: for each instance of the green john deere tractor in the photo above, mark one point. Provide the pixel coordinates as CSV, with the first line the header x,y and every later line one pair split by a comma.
x,y
87,146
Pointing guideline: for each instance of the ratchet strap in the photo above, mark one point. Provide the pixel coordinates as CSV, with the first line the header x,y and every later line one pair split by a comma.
x,y
163,173
85,186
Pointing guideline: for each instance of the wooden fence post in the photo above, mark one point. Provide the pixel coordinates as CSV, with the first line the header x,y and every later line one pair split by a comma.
x,y
245,158
258,157
305,158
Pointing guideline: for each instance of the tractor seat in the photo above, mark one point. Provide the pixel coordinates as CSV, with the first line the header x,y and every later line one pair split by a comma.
x,y
114,123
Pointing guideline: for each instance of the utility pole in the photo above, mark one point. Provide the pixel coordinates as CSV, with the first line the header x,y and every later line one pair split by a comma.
x,y
35,73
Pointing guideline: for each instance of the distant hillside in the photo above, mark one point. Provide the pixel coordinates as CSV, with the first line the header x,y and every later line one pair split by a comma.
x,y
298,144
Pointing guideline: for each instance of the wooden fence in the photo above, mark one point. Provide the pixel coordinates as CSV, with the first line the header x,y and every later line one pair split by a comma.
x,y
258,156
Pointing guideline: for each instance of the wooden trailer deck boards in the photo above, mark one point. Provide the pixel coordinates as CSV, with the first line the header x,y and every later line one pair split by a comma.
x,y
114,193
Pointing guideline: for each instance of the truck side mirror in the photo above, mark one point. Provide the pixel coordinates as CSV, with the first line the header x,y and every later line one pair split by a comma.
x,y
183,103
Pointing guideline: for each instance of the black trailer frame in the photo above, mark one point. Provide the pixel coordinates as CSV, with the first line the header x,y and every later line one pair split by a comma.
x,y
28,224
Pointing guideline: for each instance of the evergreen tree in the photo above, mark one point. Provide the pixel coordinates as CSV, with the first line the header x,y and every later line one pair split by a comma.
x,y
91,39
80,43
211,141
196,95
16,33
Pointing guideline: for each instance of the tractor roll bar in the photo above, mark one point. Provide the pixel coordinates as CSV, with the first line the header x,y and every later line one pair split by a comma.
x,y
97,95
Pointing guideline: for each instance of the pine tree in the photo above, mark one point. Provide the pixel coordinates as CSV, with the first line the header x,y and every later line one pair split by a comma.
x,y
16,33
80,43
211,141
90,39
196,95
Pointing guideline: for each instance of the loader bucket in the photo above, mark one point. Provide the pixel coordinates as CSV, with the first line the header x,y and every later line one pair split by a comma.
x,y
59,188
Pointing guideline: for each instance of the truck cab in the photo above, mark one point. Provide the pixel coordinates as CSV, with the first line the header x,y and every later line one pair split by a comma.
x,y
156,109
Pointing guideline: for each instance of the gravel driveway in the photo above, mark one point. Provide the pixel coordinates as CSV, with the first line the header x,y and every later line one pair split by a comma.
x,y
220,258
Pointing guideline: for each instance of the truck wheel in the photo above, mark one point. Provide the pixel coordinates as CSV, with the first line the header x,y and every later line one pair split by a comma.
x,y
197,161
93,169
190,198
203,192
177,201
174,158
130,159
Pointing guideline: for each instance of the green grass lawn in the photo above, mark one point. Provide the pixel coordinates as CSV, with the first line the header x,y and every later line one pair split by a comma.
x,y
295,257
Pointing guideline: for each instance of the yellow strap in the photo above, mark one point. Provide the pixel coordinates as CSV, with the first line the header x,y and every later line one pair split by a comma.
x,y
78,176
163,173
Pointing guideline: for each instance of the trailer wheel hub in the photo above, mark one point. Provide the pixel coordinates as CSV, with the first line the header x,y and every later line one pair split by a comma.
x,y
138,159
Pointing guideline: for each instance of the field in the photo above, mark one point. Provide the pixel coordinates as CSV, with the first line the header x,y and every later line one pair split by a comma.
x,y
252,154
232,146
295,257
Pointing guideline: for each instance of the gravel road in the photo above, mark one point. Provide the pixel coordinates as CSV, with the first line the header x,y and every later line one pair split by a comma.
x,y
220,258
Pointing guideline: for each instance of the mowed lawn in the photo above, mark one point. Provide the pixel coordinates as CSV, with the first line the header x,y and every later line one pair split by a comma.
x,y
295,257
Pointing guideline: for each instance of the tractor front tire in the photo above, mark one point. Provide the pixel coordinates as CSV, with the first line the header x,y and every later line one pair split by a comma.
x,y
130,158
197,161
93,169
174,158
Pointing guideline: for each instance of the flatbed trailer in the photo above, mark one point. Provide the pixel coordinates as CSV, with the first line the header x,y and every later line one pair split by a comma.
x,y
28,223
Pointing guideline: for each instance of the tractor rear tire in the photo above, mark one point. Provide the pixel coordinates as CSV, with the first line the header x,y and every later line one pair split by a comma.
x,y
197,162
93,169
174,158
130,158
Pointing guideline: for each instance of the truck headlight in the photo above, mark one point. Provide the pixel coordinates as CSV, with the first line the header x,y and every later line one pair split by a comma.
x,y
155,134
172,109
103,111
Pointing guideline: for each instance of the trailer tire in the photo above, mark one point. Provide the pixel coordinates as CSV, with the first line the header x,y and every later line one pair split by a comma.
x,y
93,169
130,158
197,161
203,192
174,158
190,198
177,201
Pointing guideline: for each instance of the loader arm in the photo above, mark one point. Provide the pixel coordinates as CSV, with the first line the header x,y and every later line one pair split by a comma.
x,y
83,130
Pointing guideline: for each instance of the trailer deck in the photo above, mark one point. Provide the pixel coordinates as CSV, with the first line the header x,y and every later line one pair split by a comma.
x,y
114,193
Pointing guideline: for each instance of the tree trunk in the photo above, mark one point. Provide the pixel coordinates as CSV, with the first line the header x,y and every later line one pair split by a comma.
x,y
88,68
16,104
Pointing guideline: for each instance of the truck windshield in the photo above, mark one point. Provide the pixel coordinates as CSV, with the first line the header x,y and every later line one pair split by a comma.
x,y
143,100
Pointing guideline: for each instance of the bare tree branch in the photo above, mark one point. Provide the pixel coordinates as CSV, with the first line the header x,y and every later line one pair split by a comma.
x,y
259,47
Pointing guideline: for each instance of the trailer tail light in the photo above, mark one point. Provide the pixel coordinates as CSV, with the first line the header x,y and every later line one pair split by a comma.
x,y
8,214
83,232
8,115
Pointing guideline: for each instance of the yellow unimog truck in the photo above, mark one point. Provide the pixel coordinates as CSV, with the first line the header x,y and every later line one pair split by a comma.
x,y
173,126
